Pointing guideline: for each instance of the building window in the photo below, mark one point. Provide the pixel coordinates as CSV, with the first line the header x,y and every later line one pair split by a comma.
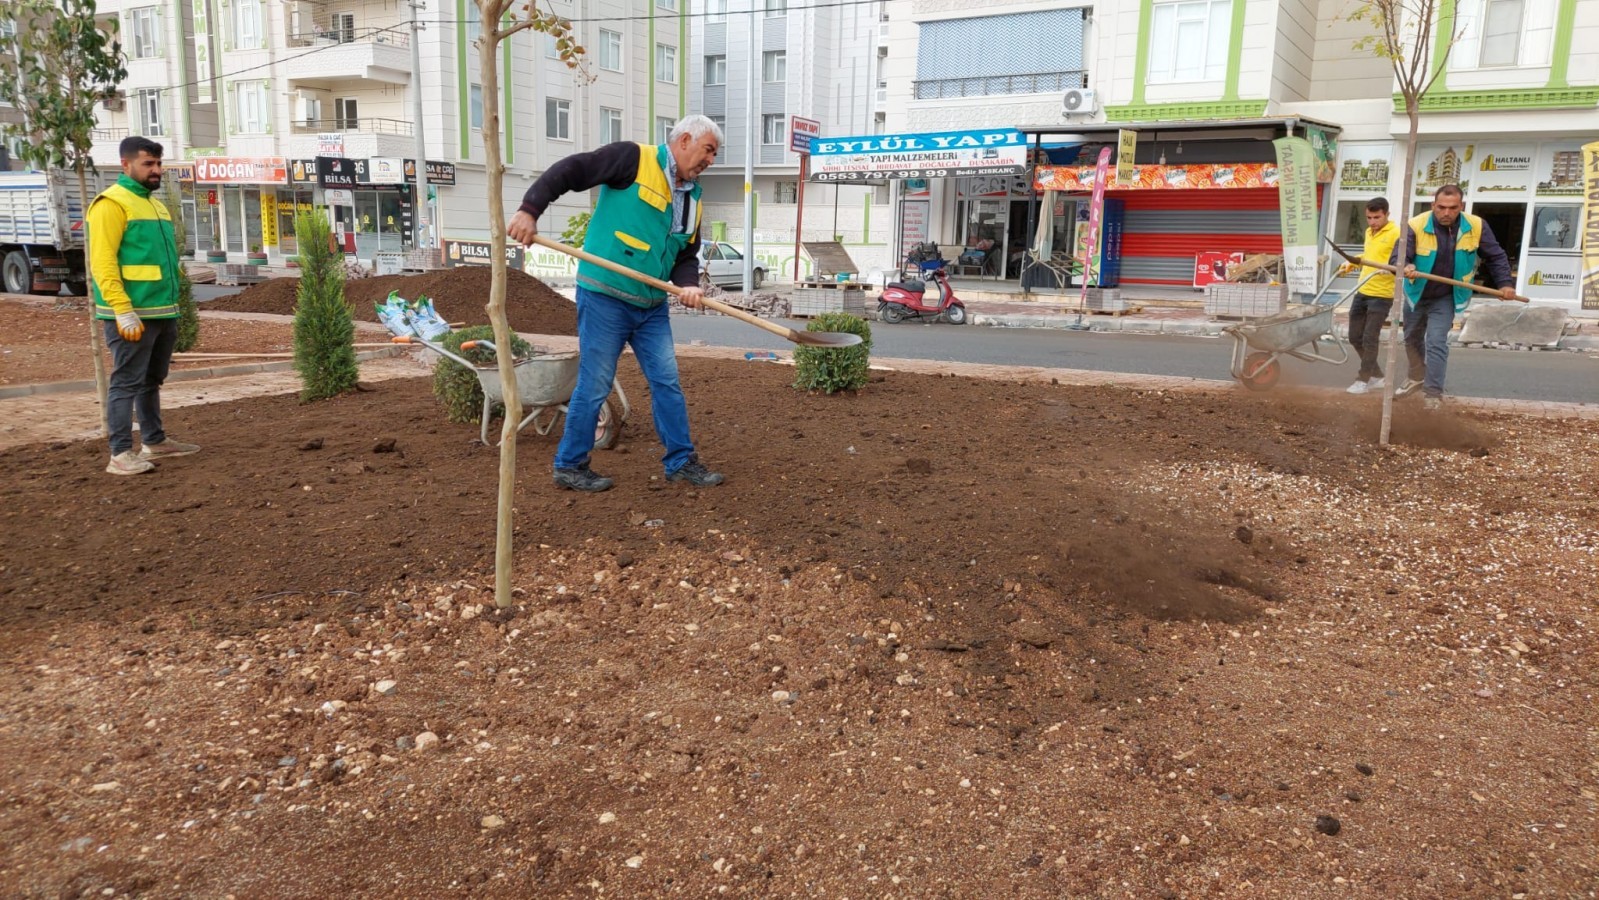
x,y
774,66
776,7
666,63
558,119
146,32
786,191
715,70
1504,33
666,4
1188,40
610,125
247,24
772,128
347,113
150,113
721,122
475,106
253,115
344,27
551,51
663,129
474,24
716,11
611,51
1043,54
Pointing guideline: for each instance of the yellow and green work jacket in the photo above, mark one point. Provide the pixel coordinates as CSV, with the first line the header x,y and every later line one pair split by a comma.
x,y
133,253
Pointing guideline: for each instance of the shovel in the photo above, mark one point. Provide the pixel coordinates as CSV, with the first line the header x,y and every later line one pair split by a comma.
x,y
1358,261
810,338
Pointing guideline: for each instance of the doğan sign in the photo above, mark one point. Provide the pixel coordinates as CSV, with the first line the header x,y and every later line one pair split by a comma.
x,y
942,154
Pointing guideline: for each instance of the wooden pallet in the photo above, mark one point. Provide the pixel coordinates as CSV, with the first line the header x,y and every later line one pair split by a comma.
x,y
836,285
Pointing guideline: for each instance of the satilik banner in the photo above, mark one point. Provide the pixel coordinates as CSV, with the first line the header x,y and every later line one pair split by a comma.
x,y
1590,226
1296,199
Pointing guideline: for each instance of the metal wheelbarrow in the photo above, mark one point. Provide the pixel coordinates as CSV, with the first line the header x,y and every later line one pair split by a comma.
x,y
1299,331
544,384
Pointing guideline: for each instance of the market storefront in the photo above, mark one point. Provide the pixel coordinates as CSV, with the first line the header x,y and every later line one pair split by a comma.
x,y
239,199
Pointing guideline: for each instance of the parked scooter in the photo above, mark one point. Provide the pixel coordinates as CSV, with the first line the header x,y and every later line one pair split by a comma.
x,y
903,300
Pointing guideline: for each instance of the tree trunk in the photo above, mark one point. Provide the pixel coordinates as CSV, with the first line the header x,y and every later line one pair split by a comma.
x,y
1401,249
102,382
503,520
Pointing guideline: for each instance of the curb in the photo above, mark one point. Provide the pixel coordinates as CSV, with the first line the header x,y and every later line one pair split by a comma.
x,y
72,387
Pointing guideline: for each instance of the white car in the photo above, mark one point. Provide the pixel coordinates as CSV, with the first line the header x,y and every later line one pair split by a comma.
x,y
725,265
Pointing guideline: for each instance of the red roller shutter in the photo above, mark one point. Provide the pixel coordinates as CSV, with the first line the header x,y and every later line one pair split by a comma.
x,y
1165,229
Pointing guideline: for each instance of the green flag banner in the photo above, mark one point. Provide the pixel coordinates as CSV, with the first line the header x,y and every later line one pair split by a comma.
x,y
1296,199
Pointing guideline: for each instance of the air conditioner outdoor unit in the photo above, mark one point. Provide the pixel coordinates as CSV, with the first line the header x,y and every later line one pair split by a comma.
x,y
114,103
1079,101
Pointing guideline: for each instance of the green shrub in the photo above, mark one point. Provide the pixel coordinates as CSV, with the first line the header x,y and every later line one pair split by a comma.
x,y
456,387
188,312
324,330
834,369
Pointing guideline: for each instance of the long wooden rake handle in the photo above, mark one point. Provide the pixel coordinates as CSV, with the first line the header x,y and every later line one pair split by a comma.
x,y
1361,261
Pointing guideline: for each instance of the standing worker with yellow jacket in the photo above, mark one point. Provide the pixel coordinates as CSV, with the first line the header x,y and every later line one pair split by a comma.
x,y
133,259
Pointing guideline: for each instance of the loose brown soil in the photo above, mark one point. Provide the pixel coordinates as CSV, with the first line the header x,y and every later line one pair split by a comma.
x,y
459,295
48,342
947,637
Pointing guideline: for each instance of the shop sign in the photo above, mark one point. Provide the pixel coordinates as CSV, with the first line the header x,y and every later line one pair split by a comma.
x,y
387,170
241,170
441,173
1365,168
801,131
1441,164
913,223
339,197
1296,166
336,171
182,173
330,143
1590,227
1126,150
480,253
932,155
1197,176
302,171
1559,172
1504,170
269,219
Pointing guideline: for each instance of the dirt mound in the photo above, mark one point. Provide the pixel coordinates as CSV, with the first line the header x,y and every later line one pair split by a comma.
x,y
458,294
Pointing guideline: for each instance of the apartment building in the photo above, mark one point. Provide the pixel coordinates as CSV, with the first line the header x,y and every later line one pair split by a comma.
x,y
817,61
267,107
1208,83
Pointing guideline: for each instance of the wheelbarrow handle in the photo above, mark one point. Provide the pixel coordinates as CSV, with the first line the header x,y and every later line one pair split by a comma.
x,y
1427,276
779,330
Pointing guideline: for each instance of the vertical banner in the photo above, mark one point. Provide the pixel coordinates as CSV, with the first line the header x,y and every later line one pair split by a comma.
x,y
269,218
1296,197
1590,226
1326,146
1126,149
1096,216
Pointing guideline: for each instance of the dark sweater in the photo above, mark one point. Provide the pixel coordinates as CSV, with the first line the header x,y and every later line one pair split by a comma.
x,y
615,166
1488,251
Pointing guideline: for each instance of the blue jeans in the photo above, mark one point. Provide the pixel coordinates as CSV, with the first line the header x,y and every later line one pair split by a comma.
x,y
137,370
1427,327
604,326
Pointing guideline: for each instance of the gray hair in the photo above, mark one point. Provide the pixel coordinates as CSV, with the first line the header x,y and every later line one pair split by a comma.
x,y
696,127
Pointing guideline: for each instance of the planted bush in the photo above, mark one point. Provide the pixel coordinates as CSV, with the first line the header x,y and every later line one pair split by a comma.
x,y
457,387
834,369
324,330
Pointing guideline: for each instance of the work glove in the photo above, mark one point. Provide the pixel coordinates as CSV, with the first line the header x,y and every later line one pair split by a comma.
x,y
130,326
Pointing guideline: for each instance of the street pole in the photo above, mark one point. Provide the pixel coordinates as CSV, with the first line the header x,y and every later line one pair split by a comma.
x,y
419,201
799,214
753,121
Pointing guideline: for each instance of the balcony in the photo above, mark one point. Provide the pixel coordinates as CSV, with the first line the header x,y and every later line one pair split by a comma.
x,y
341,54
105,146
997,85
369,136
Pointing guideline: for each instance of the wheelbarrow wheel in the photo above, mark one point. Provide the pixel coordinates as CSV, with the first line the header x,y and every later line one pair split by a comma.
x,y
608,430
1261,372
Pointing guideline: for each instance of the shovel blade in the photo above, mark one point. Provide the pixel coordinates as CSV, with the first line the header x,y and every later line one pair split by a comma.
x,y
826,338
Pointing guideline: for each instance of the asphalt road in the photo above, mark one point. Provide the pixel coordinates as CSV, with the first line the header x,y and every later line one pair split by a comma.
x,y
1555,376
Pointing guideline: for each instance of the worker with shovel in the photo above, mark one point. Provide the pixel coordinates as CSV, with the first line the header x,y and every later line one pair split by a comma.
x,y
648,220
1445,242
